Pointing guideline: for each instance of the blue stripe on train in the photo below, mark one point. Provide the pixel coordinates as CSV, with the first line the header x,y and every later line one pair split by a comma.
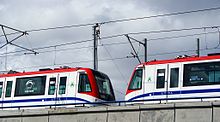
x,y
45,100
175,93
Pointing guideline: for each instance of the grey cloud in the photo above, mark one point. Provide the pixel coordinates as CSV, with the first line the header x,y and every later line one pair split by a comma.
x,y
176,5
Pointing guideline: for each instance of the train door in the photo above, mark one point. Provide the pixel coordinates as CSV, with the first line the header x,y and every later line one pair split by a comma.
x,y
83,87
8,92
161,86
61,92
52,88
149,82
71,90
174,81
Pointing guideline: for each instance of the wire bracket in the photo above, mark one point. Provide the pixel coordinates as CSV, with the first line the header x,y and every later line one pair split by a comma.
x,y
9,42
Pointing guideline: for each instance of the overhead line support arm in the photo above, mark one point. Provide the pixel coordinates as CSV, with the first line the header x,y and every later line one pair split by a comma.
x,y
136,55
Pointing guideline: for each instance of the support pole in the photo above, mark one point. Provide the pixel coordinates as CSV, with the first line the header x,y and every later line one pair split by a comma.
x,y
198,48
145,50
95,35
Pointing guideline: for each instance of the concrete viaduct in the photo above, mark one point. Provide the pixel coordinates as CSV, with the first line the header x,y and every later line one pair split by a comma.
x,y
170,112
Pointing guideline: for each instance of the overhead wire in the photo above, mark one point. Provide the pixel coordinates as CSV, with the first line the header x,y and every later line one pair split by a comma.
x,y
109,59
65,49
115,63
118,58
159,31
68,63
61,27
160,15
118,20
149,40
182,36
119,35
123,20
117,43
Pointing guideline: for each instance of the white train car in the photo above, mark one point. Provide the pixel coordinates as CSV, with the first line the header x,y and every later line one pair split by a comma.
x,y
178,79
53,87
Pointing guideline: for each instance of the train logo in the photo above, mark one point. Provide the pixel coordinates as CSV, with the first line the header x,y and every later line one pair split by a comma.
x,y
30,86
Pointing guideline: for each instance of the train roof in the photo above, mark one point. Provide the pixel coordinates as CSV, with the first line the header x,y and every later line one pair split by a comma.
x,y
182,59
47,71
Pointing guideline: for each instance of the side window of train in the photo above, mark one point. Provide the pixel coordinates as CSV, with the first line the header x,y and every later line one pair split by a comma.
x,y
174,77
136,81
62,85
1,88
160,78
84,84
201,74
8,89
52,85
30,86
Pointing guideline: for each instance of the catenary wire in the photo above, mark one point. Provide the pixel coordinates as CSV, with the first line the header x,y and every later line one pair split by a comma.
x,y
114,36
109,59
160,15
118,20
115,64
159,31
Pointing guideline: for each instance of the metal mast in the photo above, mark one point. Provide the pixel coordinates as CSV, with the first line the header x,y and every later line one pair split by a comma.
x,y
96,30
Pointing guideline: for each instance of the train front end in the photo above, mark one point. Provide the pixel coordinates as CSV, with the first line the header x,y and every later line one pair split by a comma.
x,y
96,87
135,86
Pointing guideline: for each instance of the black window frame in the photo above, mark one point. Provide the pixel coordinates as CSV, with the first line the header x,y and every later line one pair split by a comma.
x,y
1,91
174,77
132,80
80,90
50,85
11,85
205,69
63,82
42,90
160,79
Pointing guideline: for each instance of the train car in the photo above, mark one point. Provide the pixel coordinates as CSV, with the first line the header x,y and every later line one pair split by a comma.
x,y
184,78
54,87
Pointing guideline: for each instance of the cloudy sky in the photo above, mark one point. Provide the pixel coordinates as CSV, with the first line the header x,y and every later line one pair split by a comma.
x,y
37,14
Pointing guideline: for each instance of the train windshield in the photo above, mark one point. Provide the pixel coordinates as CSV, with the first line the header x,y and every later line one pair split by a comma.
x,y
136,80
104,86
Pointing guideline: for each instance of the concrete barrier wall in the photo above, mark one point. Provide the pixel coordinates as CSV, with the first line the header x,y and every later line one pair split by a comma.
x,y
171,112
157,113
